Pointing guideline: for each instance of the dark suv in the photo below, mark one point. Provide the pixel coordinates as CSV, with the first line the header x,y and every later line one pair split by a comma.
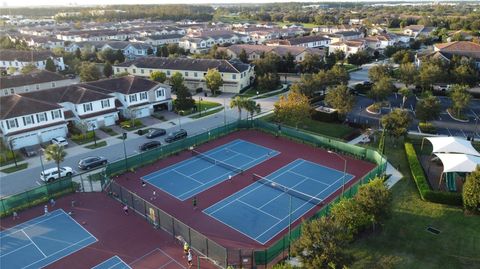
x,y
150,145
91,162
180,134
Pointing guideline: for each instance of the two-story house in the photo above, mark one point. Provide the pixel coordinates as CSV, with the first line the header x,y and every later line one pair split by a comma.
x,y
159,40
21,58
35,81
446,51
200,43
348,46
236,75
256,51
313,41
25,121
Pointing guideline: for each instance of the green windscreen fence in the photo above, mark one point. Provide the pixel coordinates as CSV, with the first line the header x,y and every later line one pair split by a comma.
x,y
35,196
239,258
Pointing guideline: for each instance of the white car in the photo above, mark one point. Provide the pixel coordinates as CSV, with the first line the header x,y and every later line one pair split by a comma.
x,y
61,141
51,174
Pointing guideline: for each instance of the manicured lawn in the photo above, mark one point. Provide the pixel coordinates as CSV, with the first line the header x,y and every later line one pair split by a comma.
x,y
253,92
395,30
14,168
109,131
404,242
204,114
99,145
203,105
83,141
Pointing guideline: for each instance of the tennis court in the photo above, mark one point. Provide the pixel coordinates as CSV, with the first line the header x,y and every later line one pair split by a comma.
x,y
157,259
262,210
205,170
42,241
113,263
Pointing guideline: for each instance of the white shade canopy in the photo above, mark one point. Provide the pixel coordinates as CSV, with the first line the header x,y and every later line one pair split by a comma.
x,y
458,162
452,145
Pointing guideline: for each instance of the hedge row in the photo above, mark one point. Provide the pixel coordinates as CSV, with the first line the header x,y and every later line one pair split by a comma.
x,y
426,193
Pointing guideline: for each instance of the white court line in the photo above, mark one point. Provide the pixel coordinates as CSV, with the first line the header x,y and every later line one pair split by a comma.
x,y
182,174
260,185
163,252
258,209
44,256
18,229
79,225
5,254
215,179
58,252
121,261
165,264
326,167
188,161
318,181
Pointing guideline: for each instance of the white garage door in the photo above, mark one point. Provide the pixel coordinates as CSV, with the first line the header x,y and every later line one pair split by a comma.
x,y
109,120
47,135
144,112
21,141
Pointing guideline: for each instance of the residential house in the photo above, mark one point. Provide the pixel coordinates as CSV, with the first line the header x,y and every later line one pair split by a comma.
x,y
44,42
256,51
25,121
348,46
203,42
312,41
21,58
379,42
35,81
446,51
159,40
348,35
332,29
236,75
415,31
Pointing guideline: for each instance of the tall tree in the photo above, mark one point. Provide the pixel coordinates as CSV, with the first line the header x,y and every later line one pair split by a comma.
x,y
460,98
349,215
358,58
78,53
27,69
427,108
430,73
252,107
176,80
293,108
322,245
239,103
405,92
88,72
396,123
119,56
471,191
55,153
375,200
288,63
268,82
341,99
243,56
214,80
381,89
184,99
158,76
50,65
466,74
107,70
312,63
378,72
149,51
408,73
338,75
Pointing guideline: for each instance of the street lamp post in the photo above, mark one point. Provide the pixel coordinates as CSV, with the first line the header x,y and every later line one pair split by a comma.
x,y
124,137
200,106
344,170
41,151
10,142
92,125
224,113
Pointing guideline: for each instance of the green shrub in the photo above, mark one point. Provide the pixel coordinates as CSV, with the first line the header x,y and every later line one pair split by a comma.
x,y
427,127
128,123
422,185
79,137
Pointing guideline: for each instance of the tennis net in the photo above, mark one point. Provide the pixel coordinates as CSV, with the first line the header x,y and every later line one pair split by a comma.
x,y
216,162
292,192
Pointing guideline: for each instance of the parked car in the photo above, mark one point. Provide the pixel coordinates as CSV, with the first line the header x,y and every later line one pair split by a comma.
x,y
154,132
61,141
150,145
29,151
91,162
51,174
180,134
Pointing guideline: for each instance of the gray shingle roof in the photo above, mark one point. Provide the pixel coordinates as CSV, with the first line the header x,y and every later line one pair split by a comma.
x,y
36,77
24,55
187,64
16,105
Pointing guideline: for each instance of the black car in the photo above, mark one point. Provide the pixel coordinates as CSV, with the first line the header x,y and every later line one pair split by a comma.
x,y
91,162
154,132
180,134
150,145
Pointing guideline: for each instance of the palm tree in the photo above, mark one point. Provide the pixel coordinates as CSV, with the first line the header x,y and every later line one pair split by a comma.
x,y
405,92
55,153
239,103
252,107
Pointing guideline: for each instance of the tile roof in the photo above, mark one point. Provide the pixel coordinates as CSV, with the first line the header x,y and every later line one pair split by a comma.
x,y
280,50
187,64
462,48
24,55
36,77
16,105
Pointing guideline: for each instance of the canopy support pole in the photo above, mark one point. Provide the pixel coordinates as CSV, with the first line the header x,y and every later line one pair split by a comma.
x,y
440,180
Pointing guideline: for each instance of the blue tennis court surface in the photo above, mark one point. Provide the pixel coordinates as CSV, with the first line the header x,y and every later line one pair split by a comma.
x,y
113,263
42,241
261,212
194,175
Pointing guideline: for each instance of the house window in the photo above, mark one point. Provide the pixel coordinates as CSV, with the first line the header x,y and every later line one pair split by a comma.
x,y
53,84
118,70
134,71
125,69
168,72
41,117
143,95
186,74
5,92
133,98
12,90
234,76
27,120
160,93
195,74
87,107
12,123
141,71
56,114
37,87
105,103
